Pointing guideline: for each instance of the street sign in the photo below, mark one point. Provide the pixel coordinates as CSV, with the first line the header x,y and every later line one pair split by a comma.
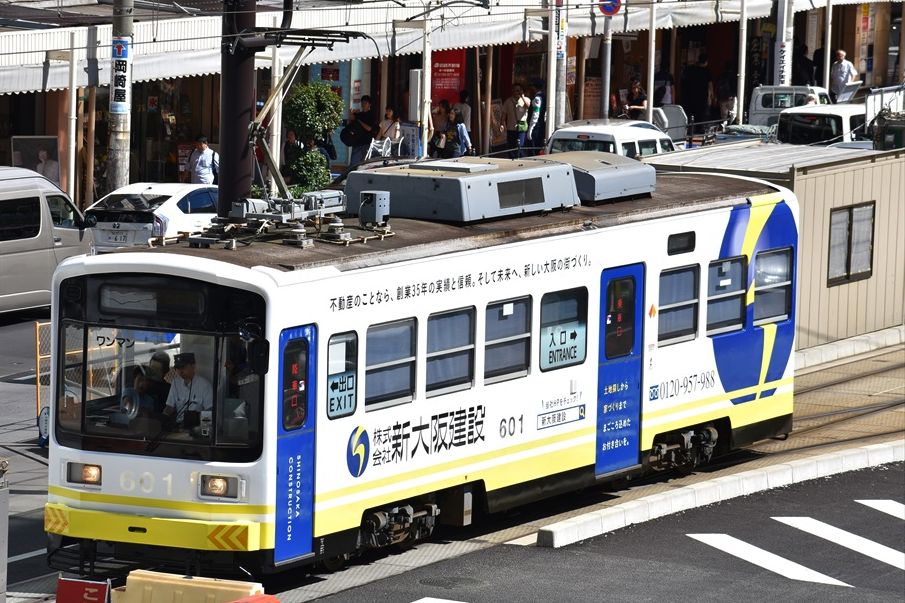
x,y
610,8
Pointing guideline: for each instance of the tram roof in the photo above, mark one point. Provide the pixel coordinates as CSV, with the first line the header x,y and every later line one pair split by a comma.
x,y
676,194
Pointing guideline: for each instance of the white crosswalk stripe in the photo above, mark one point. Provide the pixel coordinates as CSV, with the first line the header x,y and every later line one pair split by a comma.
x,y
890,507
851,541
765,559
434,600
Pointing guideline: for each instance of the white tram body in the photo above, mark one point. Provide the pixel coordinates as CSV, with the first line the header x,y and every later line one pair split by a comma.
x,y
374,390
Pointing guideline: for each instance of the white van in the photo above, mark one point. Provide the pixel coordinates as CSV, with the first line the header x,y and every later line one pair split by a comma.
x,y
822,124
626,137
39,228
768,101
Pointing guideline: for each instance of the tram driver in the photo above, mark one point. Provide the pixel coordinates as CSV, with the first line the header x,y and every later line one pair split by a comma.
x,y
191,395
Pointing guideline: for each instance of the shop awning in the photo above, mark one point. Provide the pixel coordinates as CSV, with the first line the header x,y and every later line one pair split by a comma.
x,y
635,15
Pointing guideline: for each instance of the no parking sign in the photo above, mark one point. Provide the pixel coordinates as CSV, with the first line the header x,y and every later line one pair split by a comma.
x,y
610,8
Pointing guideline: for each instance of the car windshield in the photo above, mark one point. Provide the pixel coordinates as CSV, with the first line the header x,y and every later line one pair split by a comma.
x,y
563,145
176,394
808,128
132,201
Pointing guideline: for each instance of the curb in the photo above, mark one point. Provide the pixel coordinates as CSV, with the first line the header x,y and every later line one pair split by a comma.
x,y
592,524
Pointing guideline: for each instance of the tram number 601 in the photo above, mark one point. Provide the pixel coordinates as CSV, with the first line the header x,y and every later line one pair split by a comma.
x,y
144,482
511,426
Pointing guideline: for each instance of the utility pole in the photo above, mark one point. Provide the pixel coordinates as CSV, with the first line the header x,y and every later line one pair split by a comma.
x,y
561,53
237,103
120,95
785,29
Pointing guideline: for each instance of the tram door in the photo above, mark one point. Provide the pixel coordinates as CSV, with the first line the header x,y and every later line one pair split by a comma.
x,y
619,368
295,444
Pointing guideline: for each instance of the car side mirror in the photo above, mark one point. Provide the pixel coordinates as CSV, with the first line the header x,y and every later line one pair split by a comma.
x,y
90,221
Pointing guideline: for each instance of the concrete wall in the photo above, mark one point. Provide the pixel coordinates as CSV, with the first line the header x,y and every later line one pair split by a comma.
x,y
828,313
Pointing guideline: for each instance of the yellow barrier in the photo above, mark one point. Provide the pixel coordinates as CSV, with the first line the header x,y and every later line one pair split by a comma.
x,y
143,586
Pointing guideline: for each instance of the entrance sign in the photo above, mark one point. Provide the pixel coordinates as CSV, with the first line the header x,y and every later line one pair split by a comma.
x,y
610,8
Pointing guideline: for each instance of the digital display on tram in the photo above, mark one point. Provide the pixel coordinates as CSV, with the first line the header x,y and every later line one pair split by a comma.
x,y
135,300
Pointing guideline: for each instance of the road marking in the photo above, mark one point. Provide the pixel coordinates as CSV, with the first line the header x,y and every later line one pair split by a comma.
x,y
433,600
765,559
890,507
529,540
851,541
15,558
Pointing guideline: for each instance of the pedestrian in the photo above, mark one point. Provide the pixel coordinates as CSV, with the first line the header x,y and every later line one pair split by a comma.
x,y
458,142
440,115
811,100
366,128
515,120
842,72
204,163
726,92
463,109
817,62
537,123
637,100
663,88
697,89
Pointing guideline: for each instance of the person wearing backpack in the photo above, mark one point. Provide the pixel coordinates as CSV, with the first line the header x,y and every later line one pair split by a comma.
x,y
204,163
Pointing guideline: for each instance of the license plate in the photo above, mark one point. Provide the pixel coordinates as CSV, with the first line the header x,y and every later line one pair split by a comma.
x,y
116,237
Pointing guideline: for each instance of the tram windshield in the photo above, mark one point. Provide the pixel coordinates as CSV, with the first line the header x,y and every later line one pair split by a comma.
x,y
148,392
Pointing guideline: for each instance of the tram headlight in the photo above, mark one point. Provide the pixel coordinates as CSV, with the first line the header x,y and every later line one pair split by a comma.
x,y
219,486
83,473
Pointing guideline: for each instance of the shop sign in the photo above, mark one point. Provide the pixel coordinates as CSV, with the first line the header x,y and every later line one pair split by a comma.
x,y
447,75
121,78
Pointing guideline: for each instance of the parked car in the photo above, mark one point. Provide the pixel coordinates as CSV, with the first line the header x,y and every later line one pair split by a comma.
x,y
822,124
135,214
627,137
39,228
768,101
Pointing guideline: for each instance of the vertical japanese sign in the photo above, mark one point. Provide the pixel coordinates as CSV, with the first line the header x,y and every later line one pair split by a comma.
x,y
447,75
560,16
121,80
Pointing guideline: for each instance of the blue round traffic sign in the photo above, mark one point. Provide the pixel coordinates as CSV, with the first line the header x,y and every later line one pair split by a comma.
x,y
609,7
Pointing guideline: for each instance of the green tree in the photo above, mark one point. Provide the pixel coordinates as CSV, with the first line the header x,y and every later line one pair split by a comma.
x,y
312,110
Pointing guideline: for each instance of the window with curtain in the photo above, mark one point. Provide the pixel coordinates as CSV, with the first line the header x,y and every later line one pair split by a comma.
x,y
390,364
678,319
450,351
851,244
726,286
772,286
507,339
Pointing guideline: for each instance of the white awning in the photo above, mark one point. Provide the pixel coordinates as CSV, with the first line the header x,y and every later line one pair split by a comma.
x,y
635,15
191,46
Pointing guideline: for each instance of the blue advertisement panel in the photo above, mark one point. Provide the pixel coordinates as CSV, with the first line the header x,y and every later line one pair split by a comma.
x,y
295,444
619,368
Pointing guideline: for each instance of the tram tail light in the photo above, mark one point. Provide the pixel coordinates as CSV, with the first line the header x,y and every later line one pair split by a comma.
x,y
219,486
82,473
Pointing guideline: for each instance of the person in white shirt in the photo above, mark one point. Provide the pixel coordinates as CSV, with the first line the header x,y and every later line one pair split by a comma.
x,y
463,108
842,72
204,163
188,391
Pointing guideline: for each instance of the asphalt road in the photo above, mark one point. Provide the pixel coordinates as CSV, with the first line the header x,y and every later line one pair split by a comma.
x,y
668,559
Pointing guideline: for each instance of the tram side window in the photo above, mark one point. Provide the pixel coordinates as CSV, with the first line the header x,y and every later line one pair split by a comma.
x,y
563,328
295,391
342,375
507,342
620,317
390,364
450,351
772,286
678,305
726,288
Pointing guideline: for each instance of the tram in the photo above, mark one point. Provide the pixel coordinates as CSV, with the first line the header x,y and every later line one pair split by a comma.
x,y
273,406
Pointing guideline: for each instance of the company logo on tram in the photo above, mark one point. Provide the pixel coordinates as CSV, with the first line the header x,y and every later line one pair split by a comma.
x,y
357,451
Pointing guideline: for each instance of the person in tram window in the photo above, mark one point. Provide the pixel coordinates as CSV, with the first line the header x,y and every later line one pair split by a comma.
x,y
190,393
